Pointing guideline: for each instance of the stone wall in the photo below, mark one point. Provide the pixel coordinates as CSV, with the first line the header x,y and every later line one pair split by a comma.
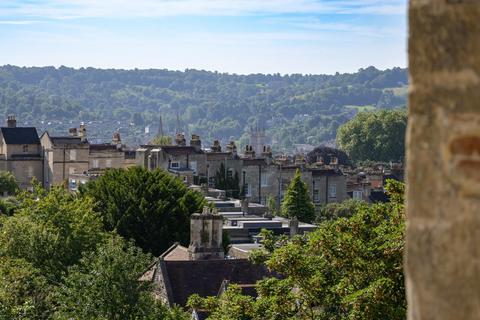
x,y
443,161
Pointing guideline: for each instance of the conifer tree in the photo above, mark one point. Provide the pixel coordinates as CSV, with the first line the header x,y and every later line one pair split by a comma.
x,y
297,202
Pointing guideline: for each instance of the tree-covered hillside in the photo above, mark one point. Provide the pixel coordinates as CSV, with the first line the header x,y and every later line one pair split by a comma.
x,y
293,109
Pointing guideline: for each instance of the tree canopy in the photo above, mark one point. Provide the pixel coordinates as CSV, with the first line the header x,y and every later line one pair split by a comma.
x,y
152,208
349,268
292,108
297,202
8,183
57,262
376,136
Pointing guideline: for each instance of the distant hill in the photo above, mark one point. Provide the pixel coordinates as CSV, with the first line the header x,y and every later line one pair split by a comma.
x,y
293,109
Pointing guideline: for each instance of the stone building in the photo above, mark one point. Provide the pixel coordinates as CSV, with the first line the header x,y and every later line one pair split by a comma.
x,y
64,155
21,153
111,155
200,269
260,175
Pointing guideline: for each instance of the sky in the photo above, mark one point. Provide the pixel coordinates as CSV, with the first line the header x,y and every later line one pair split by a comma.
x,y
235,36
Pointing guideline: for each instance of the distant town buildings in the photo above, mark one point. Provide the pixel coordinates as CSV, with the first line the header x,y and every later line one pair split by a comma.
x,y
254,174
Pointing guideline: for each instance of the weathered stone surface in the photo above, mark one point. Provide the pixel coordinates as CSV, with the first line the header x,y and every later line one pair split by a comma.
x,y
443,161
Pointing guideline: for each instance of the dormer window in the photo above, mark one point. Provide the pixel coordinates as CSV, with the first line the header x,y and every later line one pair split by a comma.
x,y
25,148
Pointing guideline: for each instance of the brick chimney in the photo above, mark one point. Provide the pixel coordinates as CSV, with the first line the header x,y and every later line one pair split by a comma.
x,y
206,236
11,121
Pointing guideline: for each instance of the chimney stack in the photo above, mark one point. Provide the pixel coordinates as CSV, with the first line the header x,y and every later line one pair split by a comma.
x,y
180,140
196,142
117,140
82,132
232,148
293,224
206,235
216,146
11,121
73,132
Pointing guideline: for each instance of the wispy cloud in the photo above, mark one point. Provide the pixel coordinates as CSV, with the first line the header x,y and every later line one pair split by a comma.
x,y
71,9
19,22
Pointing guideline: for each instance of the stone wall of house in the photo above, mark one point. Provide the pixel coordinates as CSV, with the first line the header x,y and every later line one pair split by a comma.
x,y
443,161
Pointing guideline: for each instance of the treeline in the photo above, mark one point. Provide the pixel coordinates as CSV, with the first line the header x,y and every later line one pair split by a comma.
x,y
80,256
292,108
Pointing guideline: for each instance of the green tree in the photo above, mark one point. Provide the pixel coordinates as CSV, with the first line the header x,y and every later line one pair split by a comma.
x,y
335,210
8,183
376,136
152,208
349,268
105,285
50,230
161,141
297,202
23,290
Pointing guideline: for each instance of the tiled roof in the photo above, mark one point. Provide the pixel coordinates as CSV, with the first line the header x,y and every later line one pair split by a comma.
x,y
176,253
205,277
20,135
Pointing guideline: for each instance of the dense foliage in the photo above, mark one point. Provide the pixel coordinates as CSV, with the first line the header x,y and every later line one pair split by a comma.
x,y
350,268
56,262
297,202
292,108
8,183
152,208
376,136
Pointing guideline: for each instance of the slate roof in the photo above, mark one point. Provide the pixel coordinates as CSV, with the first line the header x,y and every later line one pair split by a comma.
x,y
180,150
205,277
67,140
20,135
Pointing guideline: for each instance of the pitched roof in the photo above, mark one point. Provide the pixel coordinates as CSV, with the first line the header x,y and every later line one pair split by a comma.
x,y
205,277
20,135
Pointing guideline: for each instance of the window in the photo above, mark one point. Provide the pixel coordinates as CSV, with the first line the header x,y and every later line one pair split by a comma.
x,y
211,182
25,148
175,165
73,155
333,191
193,166
71,170
247,190
264,180
358,195
316,196
95,163
108,163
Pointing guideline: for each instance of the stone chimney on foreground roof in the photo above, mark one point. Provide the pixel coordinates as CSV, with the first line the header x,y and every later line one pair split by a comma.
x,y
206,235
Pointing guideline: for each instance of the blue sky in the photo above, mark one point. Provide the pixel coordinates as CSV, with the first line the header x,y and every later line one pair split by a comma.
x,y
236,36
